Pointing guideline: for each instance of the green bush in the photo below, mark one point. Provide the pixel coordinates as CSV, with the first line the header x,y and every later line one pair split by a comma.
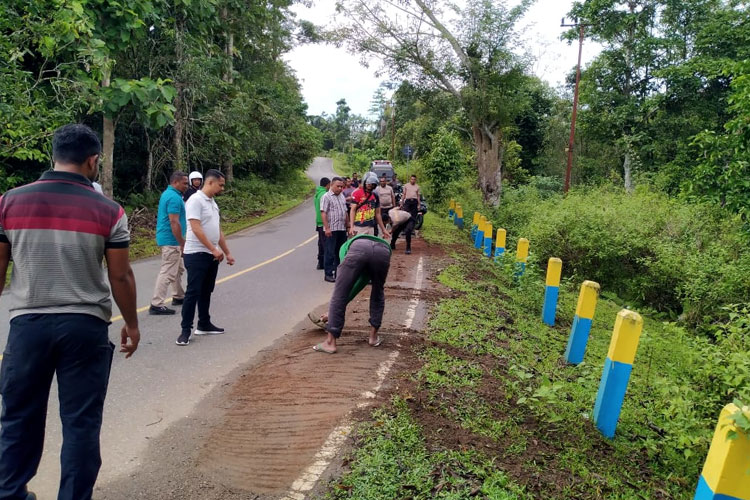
x,y
679,258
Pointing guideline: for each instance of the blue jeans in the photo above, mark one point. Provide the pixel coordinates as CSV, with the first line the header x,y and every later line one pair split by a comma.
x,y
201,278
76,348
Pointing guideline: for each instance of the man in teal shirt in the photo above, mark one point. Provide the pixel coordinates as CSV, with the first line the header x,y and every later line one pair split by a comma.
x,y
325,183
171,225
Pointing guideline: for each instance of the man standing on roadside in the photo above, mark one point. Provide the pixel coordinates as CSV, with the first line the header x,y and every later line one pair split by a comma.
x,y
57,231
410,203
325,183
205,248
171,225
196,181
334,216
387,198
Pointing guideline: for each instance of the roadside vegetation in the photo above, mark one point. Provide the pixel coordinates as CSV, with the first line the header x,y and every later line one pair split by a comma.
x,y
491,410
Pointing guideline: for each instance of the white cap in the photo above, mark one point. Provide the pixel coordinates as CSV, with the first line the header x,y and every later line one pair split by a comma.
x,y
370,178
195,175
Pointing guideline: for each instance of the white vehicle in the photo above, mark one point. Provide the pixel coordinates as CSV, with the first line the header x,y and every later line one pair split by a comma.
x,y
381,168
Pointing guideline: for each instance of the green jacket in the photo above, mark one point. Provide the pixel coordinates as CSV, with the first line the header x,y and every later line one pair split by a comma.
x,y
364,279
319,192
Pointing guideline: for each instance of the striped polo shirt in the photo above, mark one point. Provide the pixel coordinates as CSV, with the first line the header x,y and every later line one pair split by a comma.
x,y
58,229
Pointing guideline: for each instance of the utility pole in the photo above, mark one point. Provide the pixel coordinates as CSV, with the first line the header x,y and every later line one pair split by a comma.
x,y
571,141
393,131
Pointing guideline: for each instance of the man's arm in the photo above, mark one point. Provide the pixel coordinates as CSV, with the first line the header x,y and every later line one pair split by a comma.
x,y
326,226
379,220
4,261
195,225
225,248
122,281
174,224
350,221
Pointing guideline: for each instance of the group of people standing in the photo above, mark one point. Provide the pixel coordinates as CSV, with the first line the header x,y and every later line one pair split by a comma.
x,y
363,210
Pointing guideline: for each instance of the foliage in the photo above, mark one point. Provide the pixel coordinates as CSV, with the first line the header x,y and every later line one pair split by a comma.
x,y
446,162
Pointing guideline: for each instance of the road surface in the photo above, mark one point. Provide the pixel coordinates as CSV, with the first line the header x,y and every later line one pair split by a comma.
x,y
272,285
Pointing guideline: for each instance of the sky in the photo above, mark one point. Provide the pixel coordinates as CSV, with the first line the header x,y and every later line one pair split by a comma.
x,y
328,74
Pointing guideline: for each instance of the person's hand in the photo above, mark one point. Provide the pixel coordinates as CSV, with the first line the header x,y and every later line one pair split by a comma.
x,y
217,254
230,259
386,235
328,232
352,232
134,335
182,248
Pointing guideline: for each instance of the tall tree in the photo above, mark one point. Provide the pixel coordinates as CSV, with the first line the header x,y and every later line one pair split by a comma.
x,y
465,52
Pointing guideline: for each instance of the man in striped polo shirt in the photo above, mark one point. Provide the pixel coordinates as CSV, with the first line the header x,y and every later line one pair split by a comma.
x,y
57,231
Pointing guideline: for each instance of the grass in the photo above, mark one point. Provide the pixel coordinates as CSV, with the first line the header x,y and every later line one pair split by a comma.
x,y
489,383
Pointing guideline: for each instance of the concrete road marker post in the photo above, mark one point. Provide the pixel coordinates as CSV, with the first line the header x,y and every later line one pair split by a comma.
x,y
616,373
474,226
726,473
479,236
451,208
459,216
499,243
522,256
488,239
552,290
579,332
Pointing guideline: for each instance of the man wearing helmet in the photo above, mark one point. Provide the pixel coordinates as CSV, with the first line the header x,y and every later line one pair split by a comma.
x,y
196,181
365,216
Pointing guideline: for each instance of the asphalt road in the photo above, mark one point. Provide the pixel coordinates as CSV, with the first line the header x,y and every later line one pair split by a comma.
x,y
269,290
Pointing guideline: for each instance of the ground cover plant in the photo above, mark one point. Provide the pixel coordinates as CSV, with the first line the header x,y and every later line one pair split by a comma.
x,y
489,380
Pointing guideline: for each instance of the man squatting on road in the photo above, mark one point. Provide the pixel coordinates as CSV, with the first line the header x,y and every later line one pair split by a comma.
x,y
58,230
171,225
205,248
364,259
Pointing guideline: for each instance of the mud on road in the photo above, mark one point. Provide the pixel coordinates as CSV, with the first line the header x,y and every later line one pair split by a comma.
x,y
260,434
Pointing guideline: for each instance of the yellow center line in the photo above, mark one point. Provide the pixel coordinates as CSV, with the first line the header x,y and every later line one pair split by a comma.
x,y
235,275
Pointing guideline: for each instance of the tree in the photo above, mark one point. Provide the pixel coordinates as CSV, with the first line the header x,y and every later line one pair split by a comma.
x,y
462,51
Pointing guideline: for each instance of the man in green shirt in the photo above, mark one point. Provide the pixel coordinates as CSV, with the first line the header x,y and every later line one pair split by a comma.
x,y
325,183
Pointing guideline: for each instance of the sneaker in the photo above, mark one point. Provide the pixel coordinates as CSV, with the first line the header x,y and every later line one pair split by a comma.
x,y
319,267
330,279
209,329
408,251
160,311
178,302
184,338
393,246
30,496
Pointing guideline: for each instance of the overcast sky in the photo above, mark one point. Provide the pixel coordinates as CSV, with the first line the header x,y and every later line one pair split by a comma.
x,y
328,73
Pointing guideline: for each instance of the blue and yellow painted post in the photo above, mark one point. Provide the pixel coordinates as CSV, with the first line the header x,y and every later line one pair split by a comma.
x,y
579,332
554,271
499,243
488,239
459,216
522,256
479,237
451,208
725,474
474,226
616,373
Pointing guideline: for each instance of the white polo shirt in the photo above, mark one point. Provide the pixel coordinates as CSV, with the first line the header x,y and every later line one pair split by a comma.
x,y
204,209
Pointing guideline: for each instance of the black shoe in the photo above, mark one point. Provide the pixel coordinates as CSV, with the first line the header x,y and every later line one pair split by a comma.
x,y
330,279
30,496
319,267
160,311
184,338
209,329
393,246
408,251
178,302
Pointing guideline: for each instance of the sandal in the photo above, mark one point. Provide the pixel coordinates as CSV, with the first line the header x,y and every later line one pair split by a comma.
x,y
378,341
320,348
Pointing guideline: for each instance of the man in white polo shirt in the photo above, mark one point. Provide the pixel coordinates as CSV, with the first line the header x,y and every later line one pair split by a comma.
x,y
205,248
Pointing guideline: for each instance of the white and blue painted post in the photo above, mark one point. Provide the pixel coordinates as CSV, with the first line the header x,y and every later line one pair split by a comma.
x,y
459,216
522,256
725,473
552,290
488,239
474,226
579,332
499,243
616,373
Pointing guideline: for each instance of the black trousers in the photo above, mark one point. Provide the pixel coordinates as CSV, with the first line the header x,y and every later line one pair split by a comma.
x,y
364,256
332,246
77,349
321,245
201,277
412,206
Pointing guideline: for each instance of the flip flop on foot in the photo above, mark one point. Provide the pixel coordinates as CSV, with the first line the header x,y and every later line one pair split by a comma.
x,y
317,321
320,348
378,341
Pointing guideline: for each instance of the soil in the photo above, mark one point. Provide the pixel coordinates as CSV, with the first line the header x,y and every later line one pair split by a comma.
x,y
254,436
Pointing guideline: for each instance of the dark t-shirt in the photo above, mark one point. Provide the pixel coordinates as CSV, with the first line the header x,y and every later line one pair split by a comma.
x,y
366,205
190,192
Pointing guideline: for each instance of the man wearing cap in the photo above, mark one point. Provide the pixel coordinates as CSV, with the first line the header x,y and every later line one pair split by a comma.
x,y
364,217
196,181
364,259
171,225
